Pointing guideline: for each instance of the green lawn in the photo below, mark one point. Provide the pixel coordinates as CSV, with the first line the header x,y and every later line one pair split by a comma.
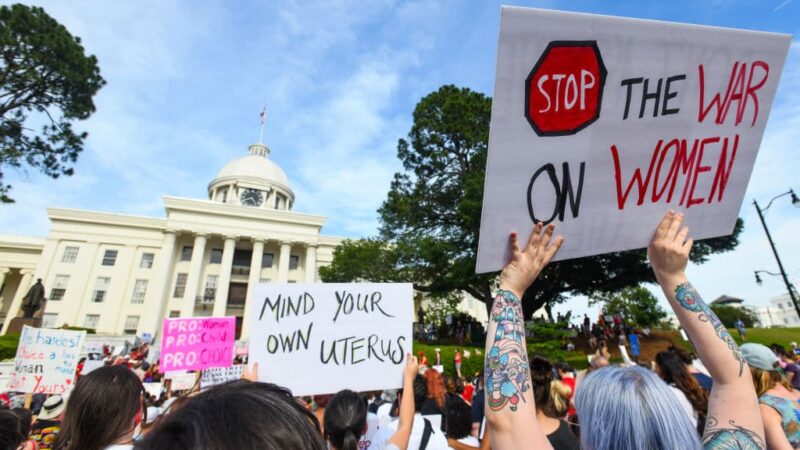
x,y
767,336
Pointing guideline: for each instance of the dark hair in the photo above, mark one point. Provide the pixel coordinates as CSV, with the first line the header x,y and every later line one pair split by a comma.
x,y
25,419
674,372
779,350
541,377
239,415
458,419
10,437
563,366
101,409
685,356
420,391
345,420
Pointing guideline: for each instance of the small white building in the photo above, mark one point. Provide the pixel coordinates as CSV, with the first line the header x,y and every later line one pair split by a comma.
x,y
780,313
122,274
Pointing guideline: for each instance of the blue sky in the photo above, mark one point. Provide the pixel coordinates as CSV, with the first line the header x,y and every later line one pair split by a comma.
x,y
186,81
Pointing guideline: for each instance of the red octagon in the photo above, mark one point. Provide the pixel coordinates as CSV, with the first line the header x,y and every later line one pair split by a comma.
x,y
564,90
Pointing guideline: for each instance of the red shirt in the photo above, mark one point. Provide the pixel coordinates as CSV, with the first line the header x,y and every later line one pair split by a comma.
x,y
458,357
469,390
569,381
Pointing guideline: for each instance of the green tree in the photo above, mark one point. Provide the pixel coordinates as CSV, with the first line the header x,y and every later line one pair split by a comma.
x,y
431,218
728,315
47,83
636,304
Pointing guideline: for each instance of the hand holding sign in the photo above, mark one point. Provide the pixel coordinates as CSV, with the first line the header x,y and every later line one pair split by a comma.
x,y
528,262
669,251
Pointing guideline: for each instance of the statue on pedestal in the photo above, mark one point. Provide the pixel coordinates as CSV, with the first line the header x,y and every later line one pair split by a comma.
x,y
33,300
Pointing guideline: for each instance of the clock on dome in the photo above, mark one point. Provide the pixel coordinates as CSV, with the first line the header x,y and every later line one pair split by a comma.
x,y
252,197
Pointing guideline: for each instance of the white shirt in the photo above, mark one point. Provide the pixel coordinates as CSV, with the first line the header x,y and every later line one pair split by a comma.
x,y
686,405
437,441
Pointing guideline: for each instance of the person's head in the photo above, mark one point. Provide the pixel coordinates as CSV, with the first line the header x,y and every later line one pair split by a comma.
x,y
25,420
420,392
563,369
631,408
764,368
105,406
672,369
52,408
598,362
436,387
684,356
345,420
10,436
779,351
541,376
239,415
458,419
559,398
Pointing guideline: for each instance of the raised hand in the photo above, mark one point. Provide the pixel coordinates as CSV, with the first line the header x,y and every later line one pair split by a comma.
x,y
412,367
250,373
527,262
669,250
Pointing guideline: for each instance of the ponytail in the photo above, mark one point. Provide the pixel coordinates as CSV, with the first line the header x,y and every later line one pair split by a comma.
x,y
350,441
345,420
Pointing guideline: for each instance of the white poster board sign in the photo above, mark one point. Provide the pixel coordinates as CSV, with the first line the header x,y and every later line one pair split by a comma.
x,y
218,375
322,338
46,360
92,364
153,389
602,124
183,381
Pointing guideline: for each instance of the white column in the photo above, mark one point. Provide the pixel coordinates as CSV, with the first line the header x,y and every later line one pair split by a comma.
x,y
3,272
311,263
283,262
158,293
224,280
253,279
193,280
13,311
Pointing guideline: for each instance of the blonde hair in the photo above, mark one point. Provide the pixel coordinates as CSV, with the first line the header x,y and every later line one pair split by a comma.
x,y
765,380
559,395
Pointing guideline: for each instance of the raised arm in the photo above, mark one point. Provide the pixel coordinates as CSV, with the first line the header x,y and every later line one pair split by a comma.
x,y
407,407
733,420
510,411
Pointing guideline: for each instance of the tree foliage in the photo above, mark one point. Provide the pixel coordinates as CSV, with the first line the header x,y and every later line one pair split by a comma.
x,y
728,315
635,304
46,84
431,218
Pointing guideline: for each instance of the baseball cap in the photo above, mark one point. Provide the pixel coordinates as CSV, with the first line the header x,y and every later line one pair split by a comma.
x,y
759,356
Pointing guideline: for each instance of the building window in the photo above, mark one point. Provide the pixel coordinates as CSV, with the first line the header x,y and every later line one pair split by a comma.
x,y
211,289
139,291
216,256
294,261
131,324
91,320
174,314
292,281
223,195
49,320
100,289
147,261
264,280
180,285
59,288
70,255
267,259
186,253
110,258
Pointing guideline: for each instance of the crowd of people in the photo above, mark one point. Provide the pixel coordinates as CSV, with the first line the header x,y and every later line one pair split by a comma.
x,y
724,397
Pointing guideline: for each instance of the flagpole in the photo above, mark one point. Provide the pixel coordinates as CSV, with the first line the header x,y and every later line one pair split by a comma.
x,y
263,119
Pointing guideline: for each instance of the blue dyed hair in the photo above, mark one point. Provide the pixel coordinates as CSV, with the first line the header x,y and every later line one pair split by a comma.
x,y
630,409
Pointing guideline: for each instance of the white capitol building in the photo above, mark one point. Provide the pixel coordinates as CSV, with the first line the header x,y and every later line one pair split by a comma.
x,y
122,274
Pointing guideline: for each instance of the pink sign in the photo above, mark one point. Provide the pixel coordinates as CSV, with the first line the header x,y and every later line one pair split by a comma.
x,y
197,343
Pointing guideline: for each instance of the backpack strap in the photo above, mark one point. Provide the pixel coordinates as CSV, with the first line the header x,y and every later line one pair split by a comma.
x,y
426,435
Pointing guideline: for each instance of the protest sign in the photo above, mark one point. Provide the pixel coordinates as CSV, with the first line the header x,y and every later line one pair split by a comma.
x,y
219,375
46,360
153,389
92,364
602,124
321,338
184,381
197,343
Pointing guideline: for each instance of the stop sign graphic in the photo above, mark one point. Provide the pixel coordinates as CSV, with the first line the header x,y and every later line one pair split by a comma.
x,y
564,90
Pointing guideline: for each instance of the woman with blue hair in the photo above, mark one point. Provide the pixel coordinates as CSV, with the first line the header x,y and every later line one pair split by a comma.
x,y
620,408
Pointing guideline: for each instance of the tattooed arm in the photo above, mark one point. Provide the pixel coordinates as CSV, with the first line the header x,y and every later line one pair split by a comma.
x,y
510,409
733,415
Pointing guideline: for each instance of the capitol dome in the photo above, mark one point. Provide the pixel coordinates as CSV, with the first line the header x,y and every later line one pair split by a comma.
x,y
253,180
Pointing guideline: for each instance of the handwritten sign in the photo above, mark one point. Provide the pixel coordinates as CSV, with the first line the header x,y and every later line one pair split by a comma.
x,y
46,360
321,338
601,124
219,375
91,365
183,381
197,343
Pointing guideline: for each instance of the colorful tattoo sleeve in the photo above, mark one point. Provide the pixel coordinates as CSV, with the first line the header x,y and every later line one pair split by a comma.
x,y
733,438
507,372
690,300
